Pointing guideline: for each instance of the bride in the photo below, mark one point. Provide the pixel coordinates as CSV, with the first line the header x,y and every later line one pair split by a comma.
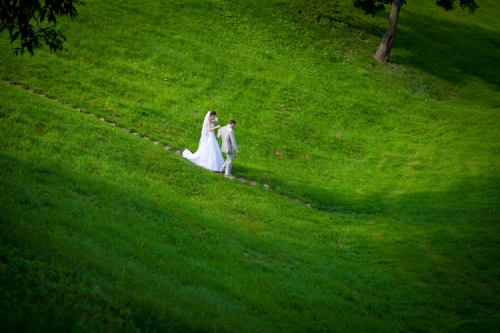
x,y
208,154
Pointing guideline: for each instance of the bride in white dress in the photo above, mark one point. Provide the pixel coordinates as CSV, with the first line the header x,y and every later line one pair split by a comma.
x,y
208,154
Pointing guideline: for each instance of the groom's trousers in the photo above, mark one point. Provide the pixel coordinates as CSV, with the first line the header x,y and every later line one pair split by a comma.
x,y
228,165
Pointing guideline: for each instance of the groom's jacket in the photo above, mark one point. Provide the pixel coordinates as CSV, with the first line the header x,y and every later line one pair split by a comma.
x,y
226,133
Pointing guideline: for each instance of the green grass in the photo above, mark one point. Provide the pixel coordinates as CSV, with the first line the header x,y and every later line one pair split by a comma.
x,y
101,230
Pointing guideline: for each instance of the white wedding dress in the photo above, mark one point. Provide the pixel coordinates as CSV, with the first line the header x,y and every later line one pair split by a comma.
x,y
208,154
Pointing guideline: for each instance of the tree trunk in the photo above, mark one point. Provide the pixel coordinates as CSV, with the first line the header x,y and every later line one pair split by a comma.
x,y
384,50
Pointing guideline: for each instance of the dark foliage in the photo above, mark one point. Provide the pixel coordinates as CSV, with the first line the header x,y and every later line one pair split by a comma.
x,y
449,4
23,20
373,6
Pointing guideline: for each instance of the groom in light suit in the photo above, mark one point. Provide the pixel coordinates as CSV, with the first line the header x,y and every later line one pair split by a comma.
x,y
226,133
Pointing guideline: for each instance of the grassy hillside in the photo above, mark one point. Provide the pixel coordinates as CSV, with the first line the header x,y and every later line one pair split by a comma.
x,y
376,197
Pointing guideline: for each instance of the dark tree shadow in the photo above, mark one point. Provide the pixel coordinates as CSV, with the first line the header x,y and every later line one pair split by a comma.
x,y
437,206
473,197
448,49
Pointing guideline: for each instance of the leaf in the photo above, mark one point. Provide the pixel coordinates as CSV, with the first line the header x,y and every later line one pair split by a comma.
x,y
14,37
43,13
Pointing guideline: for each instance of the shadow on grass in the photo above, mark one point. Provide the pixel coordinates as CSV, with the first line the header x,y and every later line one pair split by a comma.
x,y
141,215
473,198
45,208
440,45
127,231
449,49
470,197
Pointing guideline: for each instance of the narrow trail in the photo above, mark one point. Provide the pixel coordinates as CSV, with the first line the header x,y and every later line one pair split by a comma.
x,y
166,147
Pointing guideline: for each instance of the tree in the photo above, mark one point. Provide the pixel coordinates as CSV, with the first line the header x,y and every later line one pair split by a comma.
x,y
17,17
374,6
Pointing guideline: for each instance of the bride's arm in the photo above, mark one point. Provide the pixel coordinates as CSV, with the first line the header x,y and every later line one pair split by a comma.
x,y
210,129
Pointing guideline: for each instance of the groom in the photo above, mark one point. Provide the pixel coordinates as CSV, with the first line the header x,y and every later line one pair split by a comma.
x,y
226,133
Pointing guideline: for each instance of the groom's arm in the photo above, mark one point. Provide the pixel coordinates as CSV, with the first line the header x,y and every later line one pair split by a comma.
x,y
233,141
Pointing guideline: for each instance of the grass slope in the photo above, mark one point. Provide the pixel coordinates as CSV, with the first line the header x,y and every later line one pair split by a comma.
x,y
102,230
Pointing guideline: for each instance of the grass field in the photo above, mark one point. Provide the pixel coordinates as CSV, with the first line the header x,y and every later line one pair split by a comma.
x,y
371,193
